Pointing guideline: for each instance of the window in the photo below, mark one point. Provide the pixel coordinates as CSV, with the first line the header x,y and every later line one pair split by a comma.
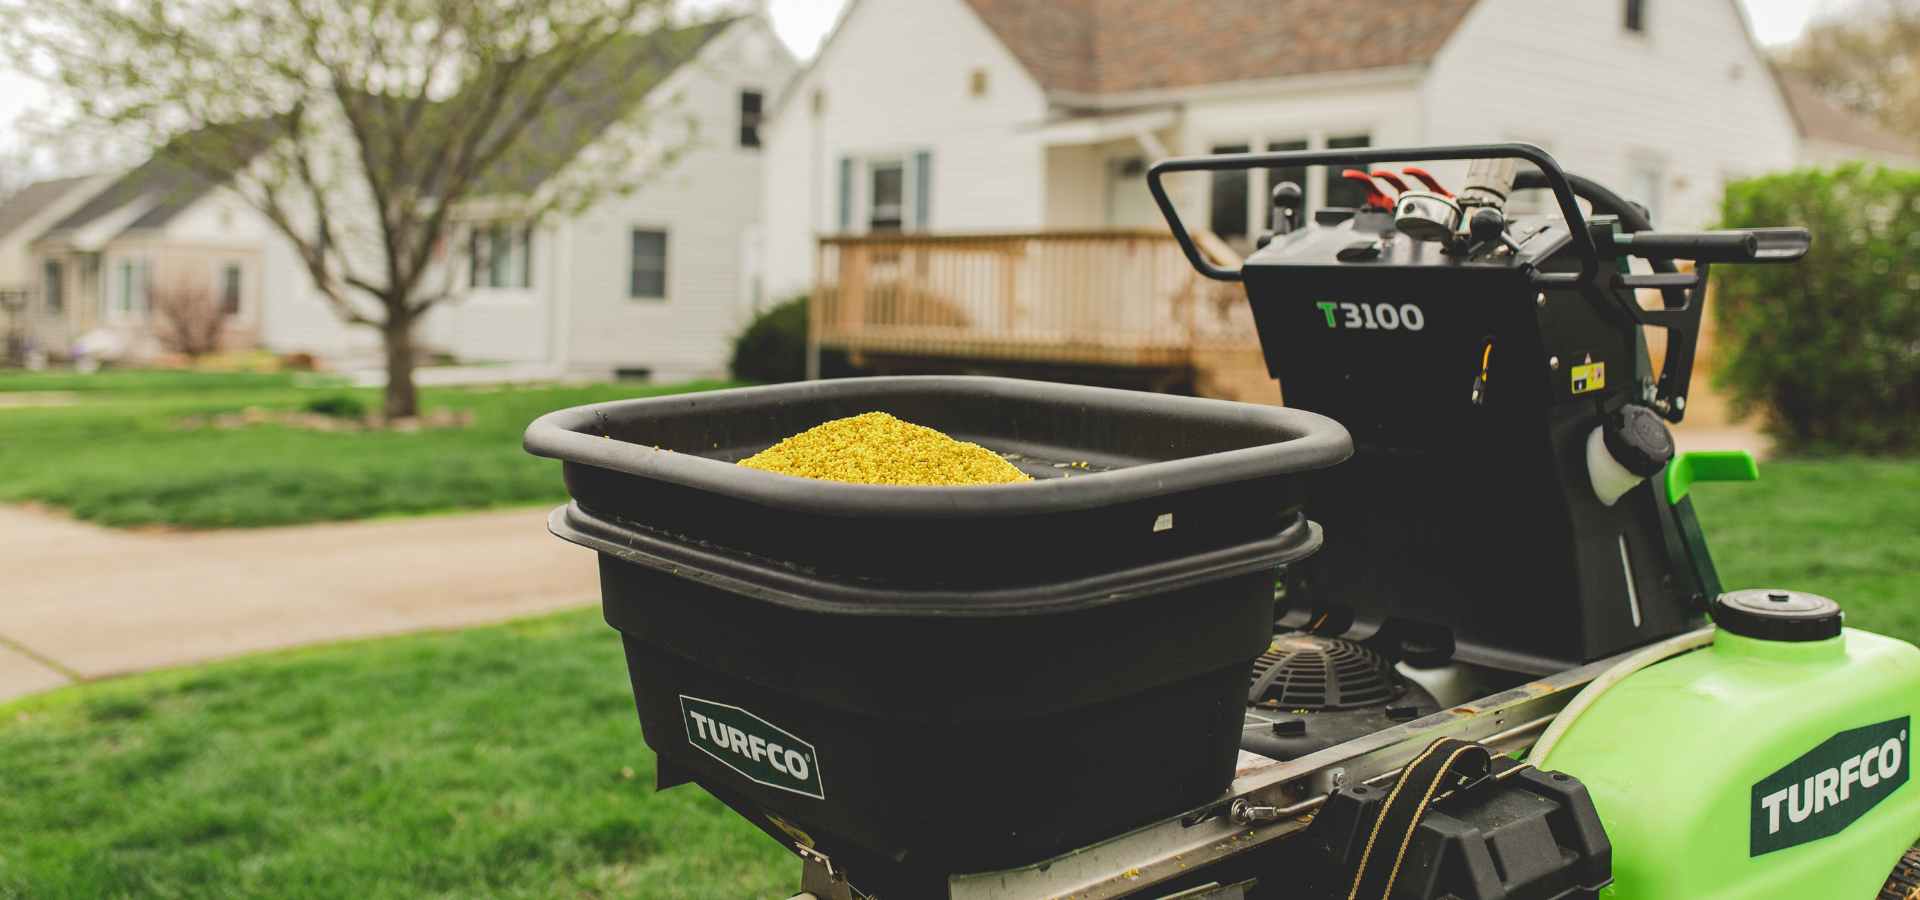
x,y
1645,177
130,288
750,102
1636,15
922,189
889,196
53,287
1229,218
1346,192
845,217
647,279
500,256
977,82
230,289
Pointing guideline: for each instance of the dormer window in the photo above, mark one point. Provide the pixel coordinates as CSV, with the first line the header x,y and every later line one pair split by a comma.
x,y
1636,15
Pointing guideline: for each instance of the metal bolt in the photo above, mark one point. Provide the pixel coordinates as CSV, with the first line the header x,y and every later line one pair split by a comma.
x,y
1244,813
1553,362
1680,403
1340,777
1540,300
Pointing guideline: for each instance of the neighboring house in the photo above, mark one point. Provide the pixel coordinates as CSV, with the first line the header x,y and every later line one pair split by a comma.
x,y
25,288
652,285
158,260
925,119
1830,133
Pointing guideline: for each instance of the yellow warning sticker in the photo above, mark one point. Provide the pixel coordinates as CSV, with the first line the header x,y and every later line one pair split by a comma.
x,y
1589,378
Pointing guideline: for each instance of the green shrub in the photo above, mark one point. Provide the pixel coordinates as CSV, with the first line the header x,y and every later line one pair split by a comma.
x,y
1827,351
774,347
340,406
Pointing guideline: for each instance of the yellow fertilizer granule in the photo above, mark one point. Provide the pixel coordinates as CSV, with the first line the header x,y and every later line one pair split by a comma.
x,y
876,448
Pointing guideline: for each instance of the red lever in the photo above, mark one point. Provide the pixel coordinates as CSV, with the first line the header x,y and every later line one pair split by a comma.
x,y
1432,183
1399,187
1375,198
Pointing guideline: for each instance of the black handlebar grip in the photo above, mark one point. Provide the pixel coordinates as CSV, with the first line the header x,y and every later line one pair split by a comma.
x,y
1705,246
1759,245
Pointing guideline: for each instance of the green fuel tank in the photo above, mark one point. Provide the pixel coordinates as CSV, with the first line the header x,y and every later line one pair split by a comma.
x,y
1771,764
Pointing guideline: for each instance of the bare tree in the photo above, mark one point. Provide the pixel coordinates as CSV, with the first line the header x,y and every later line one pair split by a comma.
x,y
373,133
191,320
1866,57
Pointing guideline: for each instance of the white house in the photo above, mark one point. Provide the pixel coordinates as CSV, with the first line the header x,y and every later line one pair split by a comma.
x,y
1832,134
652,285
152,260
961,182
24,216
1014,116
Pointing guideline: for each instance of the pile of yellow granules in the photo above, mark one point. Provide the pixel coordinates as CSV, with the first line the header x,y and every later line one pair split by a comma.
x,y
876,448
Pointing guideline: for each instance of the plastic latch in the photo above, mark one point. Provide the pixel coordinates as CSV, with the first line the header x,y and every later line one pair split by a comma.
x,y
1708,465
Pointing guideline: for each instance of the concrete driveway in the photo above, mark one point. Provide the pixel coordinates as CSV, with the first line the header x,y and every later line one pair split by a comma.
x,y
80,602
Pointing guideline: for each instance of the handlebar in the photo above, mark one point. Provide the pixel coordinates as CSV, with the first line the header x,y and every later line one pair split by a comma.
x,y
1550,171
1758,245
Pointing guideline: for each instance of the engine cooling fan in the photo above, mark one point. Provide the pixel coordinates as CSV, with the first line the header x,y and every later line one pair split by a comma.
x,y
1310,672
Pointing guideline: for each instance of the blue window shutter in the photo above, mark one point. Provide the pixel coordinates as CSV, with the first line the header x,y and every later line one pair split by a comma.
x,y
922,188
846,193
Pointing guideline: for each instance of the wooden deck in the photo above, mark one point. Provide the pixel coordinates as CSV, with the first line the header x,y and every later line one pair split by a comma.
x,y
1115,299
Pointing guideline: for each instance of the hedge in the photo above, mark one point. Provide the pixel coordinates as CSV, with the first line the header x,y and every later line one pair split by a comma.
x,y
1827,351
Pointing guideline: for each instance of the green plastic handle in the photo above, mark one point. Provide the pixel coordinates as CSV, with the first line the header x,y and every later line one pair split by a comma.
x,y
1708,465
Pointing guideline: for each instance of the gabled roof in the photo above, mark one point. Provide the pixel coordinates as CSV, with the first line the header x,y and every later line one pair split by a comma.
x,y
26,205
582,107
164,186
1091,47
1824,120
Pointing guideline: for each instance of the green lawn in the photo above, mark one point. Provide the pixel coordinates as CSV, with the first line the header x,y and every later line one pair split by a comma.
x,y
497,762
1844,528
127,453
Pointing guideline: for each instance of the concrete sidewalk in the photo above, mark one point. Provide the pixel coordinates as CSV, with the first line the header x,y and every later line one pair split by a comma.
x,y
79,602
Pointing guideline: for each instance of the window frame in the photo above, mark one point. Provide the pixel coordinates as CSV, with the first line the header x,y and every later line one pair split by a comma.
x,y
874,168
233,288
483,239
667,242
128,295
751,120
1220,187
53,287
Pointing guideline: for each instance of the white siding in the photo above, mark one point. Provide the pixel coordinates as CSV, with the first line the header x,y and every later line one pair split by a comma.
x,y
576,315
1689,95
708,205
896,80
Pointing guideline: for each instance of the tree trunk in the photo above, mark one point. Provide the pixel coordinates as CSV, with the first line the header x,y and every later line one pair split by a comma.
x,y
402,400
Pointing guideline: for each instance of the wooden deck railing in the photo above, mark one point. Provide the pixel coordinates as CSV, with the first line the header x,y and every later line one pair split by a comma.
x,y
1092,298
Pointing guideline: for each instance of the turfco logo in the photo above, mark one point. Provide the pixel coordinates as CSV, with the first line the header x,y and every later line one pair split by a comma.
x,y
1834,784
752,746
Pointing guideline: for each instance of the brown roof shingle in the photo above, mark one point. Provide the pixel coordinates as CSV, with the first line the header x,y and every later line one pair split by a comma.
x,y
1114,46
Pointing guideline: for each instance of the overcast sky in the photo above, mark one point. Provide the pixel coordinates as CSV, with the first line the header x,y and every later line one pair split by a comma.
x,y
802,24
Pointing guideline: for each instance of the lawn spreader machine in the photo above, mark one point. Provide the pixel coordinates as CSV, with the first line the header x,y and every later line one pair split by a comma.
x,y
1444,627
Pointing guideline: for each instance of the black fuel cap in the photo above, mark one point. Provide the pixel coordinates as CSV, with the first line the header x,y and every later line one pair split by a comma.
x,y
1638,440
1778,615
